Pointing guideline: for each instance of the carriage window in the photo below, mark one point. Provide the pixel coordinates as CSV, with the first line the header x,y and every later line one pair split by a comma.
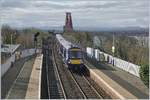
x,y
65,53
75,54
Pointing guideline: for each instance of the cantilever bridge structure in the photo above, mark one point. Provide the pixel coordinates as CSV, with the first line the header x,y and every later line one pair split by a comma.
x,y
68,23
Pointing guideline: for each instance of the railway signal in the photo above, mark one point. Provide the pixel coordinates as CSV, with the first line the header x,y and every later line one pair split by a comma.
x,y
35,40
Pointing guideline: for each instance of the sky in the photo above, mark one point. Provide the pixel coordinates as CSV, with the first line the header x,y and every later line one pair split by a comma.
x,y
85,13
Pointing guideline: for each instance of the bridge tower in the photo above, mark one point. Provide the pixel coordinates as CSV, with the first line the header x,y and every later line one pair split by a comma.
x,y
68,23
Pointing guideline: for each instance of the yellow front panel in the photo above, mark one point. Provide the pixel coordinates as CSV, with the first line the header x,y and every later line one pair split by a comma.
x,y
75,50
75,61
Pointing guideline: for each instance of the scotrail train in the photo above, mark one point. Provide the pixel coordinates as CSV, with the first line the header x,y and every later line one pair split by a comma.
x,y
72,54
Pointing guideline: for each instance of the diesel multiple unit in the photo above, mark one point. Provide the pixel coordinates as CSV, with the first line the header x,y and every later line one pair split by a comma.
x,y
71,54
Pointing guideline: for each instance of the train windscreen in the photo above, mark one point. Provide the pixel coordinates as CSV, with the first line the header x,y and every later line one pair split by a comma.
x,y
75,54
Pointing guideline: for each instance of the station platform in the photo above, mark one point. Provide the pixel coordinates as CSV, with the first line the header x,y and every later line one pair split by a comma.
x,y
116,82
10,76
34,85
28,82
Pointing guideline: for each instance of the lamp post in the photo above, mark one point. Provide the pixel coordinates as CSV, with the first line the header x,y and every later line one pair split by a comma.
x,y
35,43
113,48
11,44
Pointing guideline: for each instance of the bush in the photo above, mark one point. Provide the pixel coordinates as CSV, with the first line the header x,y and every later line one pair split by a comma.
x,y
144,74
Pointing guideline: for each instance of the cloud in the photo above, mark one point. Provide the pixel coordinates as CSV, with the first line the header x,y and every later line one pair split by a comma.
x,y
96,13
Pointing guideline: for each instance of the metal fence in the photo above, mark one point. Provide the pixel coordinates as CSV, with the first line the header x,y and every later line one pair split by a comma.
x,y
95,56
11,60
7,65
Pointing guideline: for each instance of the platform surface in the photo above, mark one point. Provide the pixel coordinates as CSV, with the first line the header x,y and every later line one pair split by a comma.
x,y
124,83
34,85
10,76
27,84
19,87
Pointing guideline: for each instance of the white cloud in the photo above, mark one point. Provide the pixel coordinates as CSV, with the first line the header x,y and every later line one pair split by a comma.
x,y
93,13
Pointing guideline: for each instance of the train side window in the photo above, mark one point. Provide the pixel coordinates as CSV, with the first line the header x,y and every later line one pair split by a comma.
x,y
65,53
61,49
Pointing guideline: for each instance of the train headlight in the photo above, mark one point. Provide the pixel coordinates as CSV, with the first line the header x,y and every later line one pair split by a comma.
x,y
69,61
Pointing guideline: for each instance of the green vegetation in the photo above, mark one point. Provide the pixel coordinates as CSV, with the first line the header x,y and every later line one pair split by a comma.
x,y
8,34
127,48
25,37
83,38
144,74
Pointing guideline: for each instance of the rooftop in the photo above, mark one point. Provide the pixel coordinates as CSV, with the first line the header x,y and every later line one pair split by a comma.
x,y
63,42
9,48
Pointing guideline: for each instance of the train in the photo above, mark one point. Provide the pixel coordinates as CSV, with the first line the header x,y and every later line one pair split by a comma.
x,y
72,54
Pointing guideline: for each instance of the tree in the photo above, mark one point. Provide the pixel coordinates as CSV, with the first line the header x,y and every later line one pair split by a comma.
x,y
97,42
7,34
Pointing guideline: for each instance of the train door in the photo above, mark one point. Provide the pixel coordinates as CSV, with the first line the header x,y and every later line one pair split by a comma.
x,y
61,49
66,55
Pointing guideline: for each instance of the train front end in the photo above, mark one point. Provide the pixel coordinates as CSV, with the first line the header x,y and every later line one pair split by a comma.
x,y
75,58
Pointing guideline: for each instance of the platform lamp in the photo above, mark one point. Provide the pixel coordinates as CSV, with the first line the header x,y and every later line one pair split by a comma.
x,y
113,48
11,43
11,37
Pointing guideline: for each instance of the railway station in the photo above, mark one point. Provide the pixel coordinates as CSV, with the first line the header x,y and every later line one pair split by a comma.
x,y
45,75
70,62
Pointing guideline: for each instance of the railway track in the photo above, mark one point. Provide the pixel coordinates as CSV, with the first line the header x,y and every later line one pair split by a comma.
x,y
58,77
54,85
88,90
70,88
63,83
99,89
75,86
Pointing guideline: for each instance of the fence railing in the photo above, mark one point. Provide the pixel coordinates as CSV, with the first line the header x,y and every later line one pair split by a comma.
x,y
5,66
95,56
25,53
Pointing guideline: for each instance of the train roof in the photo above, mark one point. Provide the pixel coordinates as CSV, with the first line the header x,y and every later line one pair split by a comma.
x,y
62,41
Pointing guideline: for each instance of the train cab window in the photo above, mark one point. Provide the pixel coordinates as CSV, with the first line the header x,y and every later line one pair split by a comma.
x,y
75,54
